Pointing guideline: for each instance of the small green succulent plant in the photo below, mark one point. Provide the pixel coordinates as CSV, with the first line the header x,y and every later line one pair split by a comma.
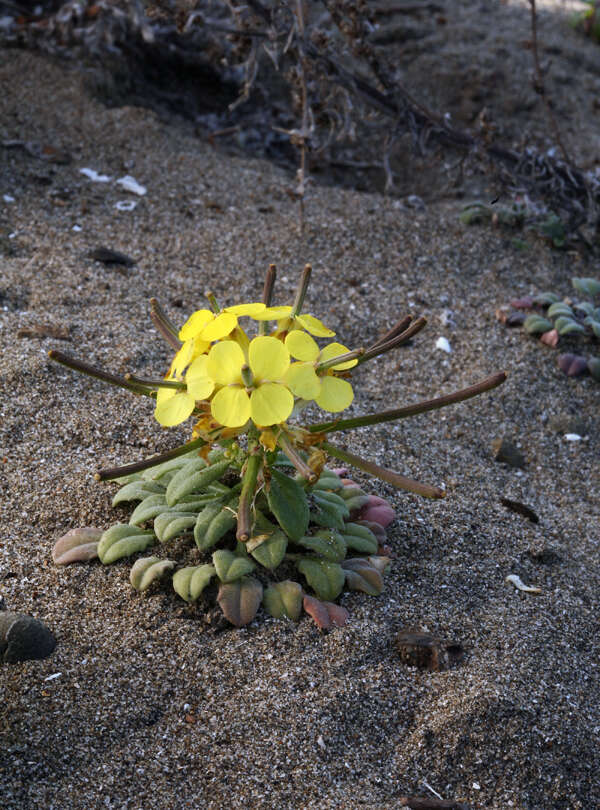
x,y
555,318
248,505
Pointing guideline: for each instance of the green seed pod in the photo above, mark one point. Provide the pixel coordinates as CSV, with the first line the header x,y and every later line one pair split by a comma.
x,y
191,581
147,569
194,479
168,525
123,540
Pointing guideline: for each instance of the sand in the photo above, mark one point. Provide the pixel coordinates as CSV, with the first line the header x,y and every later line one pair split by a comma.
x,y
142,704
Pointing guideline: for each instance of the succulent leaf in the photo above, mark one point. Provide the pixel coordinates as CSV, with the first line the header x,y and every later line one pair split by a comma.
x,y
360,538
535,324
594,325
325,578
137,491
594,367
271,551
123,540
287,501
327,543
240,600
77,545
173,465
168,525
362,575
545,299
230,566
328,480
189,582
325,614
587,286
329,510
146,570
560,308
284,599
565,326
194,478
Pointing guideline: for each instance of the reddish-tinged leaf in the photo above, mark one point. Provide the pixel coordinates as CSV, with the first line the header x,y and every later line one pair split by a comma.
x,y
377,510
572,364
362,575
325,614
377,529
522,303
77,545
515,319
550,338
240,600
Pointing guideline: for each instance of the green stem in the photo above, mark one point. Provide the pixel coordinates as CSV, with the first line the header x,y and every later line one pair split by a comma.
x,y
411,410
181,386
342,358
164,325
91,371
213,302
381,348
298,462
393,478
244,515
301,291
137,466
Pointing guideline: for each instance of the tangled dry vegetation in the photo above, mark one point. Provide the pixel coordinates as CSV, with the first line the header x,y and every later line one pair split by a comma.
x,y
315,74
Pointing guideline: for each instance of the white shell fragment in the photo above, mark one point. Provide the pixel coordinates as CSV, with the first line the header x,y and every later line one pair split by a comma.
x,y
93,175
125,205
442,343
520,585
53,677
572,437
8,198
129,183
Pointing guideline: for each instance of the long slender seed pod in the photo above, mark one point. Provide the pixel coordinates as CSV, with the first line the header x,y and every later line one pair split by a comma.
x,y
137,466
98,373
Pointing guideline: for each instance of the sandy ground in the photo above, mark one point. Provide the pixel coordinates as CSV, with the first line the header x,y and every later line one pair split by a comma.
x,y
149,708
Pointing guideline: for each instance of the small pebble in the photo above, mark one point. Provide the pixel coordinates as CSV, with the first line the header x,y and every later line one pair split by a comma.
x,y
443,344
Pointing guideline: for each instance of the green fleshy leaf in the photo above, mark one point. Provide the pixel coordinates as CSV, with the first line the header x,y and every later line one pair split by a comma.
x,y
585,306
560,308
565,326
329,481
325,578
230,566
360,538
536,325
545,299
194,478
271,550
137,491
594,367
154,505
362,575
168,525
327,543
240,600
594,326
173,465
146,570
191,581
587,286
123,540
284,600
287,501
222,522
329,510
476,213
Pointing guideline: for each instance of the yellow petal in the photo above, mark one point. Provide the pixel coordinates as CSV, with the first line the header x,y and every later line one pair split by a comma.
x,y
195,324
268,359
302,380
199,383
336,350
335,394
268,439
225,361
181,360
271,404
222,325
272,313
301,346
173,410
314,326
231,406
246,309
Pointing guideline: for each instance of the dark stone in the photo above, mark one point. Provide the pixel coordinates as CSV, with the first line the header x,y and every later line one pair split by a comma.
x,y
108,256
425,651
23,638
506,453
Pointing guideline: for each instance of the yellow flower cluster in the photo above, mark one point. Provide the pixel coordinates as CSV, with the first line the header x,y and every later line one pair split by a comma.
x,y
259,379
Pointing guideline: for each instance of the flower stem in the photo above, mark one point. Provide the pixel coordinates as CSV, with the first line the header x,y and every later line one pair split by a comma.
x,y
301,291
164,325
181,386
213,302
380,348
244,516
393,478
98,373
298,462
342,358
411,410
267,295
137,466
397,329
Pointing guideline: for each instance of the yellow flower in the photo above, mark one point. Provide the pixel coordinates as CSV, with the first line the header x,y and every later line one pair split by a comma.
x,y
286,323
173,406
262,397
329,392
208,326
